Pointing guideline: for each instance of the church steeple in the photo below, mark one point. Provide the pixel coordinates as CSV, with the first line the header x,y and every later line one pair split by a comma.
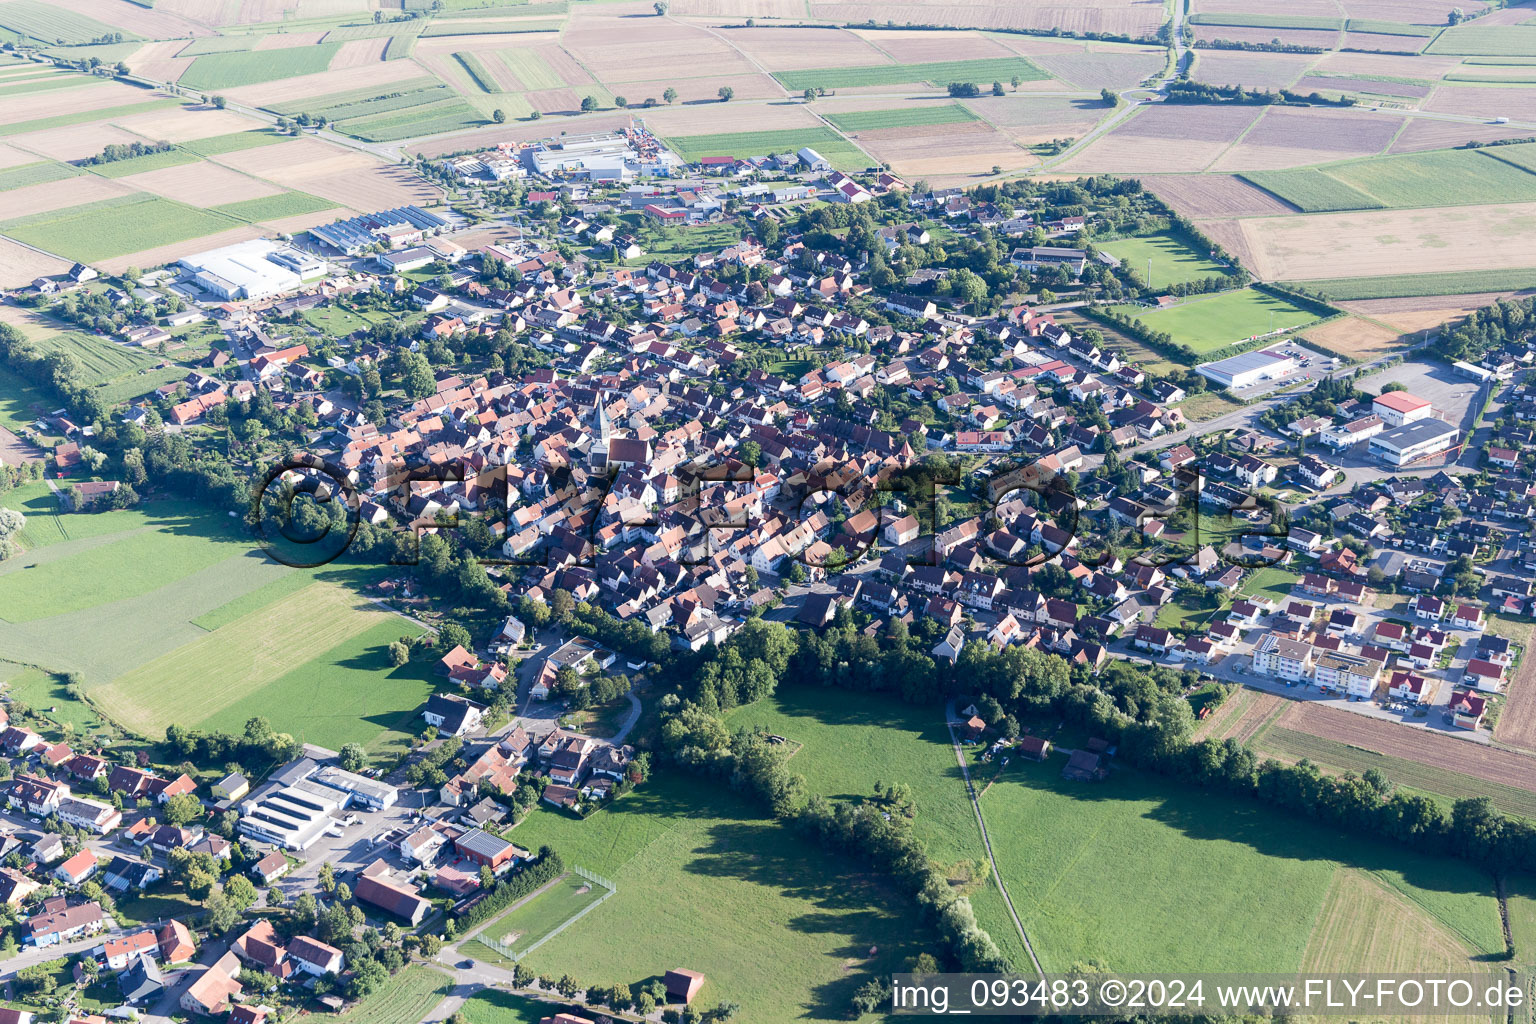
x,y
604,432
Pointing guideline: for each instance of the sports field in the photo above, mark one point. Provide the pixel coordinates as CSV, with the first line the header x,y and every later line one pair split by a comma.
x,y
523,925
1141,874
773,922
1172,262
742,144
115,227
1209,322
980,72
315,661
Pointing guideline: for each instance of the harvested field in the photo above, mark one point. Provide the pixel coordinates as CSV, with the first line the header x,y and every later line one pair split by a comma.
x,y
1314,83
168,69
1418,12
19,265
925,47
56,195
789,9
1099,69
1384,42
86,96
1517,722
359,52
342,176
286,40
184,124
703,120
1116,17
1366,925
73,142
229,70
1429,241
1250,70
1423,312
1251,718
700,92
975,71
313,87
1479,40
1425,66
152,23
968,148
1213,195
1422,134
1291,137
1038,120
1356,339
789,49
201,184
1442,178
617,49
1484,100
1260,36
1504,767
10,156
1166,138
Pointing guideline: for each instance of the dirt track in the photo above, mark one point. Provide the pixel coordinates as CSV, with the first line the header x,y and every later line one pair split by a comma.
x,y
1505,767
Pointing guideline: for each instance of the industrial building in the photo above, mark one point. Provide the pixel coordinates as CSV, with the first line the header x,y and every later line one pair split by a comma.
x,y
1248,368
1413,441
1398,407
302,799
405,225
256,269
600,156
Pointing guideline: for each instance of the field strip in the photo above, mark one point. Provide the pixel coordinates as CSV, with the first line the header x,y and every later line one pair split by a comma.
x,y
1390,884
200,679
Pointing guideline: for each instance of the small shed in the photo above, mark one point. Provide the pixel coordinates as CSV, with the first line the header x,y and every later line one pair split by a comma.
x,y
1083,767
683,984
1036,748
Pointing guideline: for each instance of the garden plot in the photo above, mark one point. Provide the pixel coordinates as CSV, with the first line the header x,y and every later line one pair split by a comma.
x,y
1286,137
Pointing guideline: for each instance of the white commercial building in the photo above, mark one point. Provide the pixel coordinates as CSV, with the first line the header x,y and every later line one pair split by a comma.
x,y
255,269
1413,441
1398,407
1248,368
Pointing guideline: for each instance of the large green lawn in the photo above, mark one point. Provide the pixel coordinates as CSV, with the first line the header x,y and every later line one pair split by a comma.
x,y
1141,874
493,1006
1172,262
1206,323
705,882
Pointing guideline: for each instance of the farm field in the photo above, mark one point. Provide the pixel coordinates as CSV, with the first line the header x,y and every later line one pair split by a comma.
x,y
1333,756
37,124
35,174
825,141
908,117
1406,285
116,227
1172,262
49,24
287,204
1117,874
981,72
1208,323
1486,40
1356,338
1436,178
228,70
343,643
772,921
